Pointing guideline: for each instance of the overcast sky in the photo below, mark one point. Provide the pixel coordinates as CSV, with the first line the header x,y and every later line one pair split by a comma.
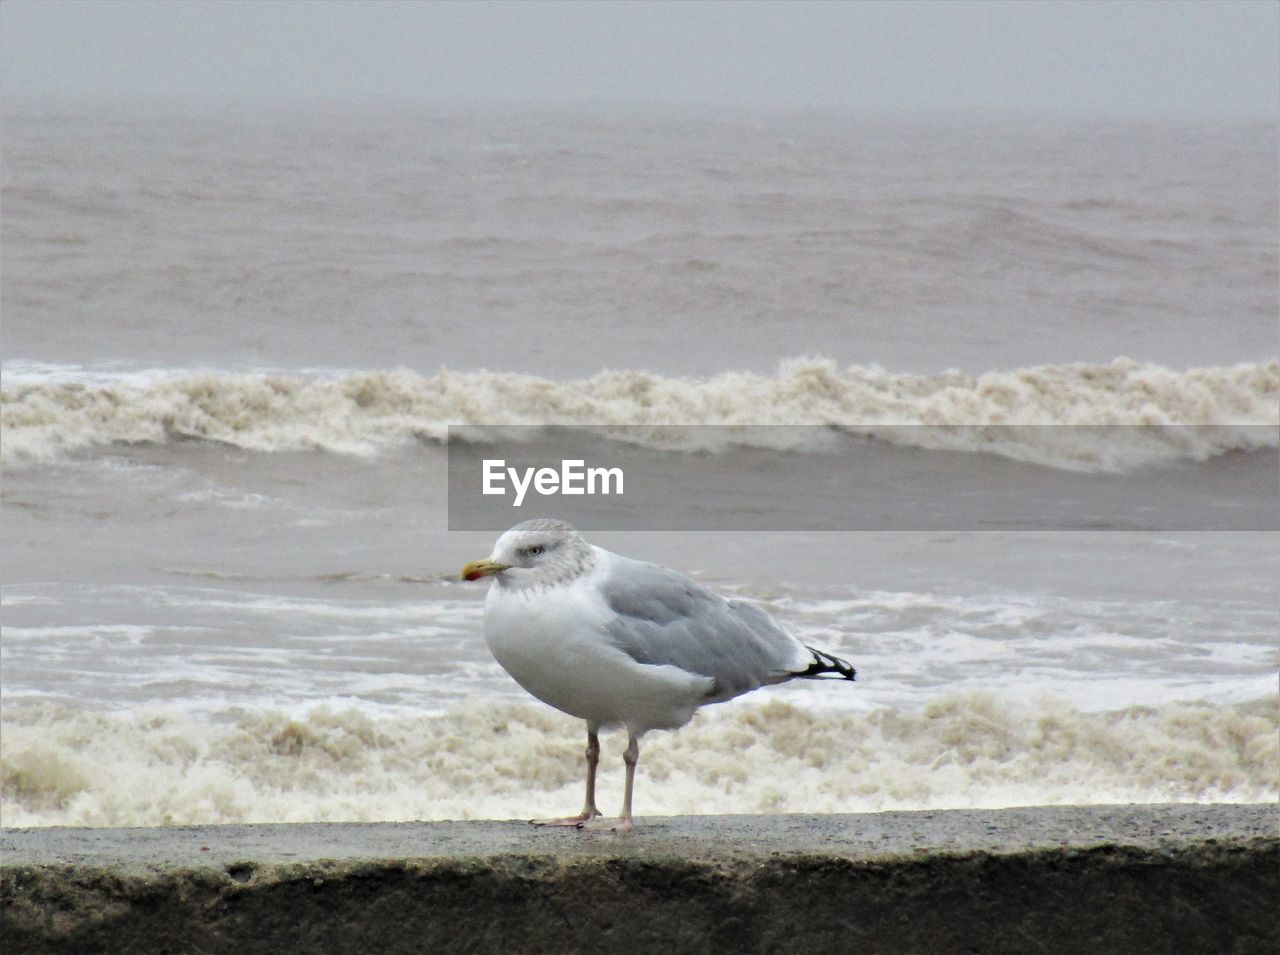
x,y
1134,58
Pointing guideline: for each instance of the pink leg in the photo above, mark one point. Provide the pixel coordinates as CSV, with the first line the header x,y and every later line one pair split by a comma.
x,y
630,756
589,810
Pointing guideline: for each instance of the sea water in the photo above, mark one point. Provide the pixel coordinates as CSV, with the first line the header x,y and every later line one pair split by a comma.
x,y
233,344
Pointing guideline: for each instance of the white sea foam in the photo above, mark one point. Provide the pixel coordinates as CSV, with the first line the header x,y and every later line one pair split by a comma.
x,y
48,413
64,766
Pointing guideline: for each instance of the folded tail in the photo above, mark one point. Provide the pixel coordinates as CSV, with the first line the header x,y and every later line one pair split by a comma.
x,y
824,664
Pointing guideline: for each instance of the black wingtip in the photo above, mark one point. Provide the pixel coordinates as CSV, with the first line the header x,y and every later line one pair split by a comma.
x,y
825,663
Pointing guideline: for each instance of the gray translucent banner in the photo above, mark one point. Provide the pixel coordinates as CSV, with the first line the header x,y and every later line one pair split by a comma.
x,y
882,478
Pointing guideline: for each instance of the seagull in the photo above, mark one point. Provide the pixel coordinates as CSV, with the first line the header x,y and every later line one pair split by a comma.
x,y
621,642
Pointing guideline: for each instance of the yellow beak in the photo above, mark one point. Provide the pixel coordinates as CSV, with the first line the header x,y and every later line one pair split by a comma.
x,y
482,568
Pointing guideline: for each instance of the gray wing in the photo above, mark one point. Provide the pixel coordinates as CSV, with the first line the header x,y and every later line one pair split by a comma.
x,y
664,618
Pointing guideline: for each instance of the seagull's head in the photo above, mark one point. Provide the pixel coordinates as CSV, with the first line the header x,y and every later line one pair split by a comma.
x,y
537,553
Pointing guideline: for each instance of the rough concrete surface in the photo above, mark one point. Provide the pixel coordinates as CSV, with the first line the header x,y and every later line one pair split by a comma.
x,y
1175,878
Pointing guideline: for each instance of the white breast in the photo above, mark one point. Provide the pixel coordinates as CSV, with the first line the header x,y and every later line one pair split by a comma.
x,y
553,643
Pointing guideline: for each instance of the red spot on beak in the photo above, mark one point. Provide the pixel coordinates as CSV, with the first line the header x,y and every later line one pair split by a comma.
x,y
481,568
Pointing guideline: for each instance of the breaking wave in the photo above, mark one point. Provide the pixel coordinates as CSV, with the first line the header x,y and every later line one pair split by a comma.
x,y
64,766
46,417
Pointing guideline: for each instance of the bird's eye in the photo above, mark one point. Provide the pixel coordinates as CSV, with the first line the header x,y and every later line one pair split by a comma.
x,y
535,550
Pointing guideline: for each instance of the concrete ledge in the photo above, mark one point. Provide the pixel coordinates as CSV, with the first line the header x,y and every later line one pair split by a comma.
x,y
1179,878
